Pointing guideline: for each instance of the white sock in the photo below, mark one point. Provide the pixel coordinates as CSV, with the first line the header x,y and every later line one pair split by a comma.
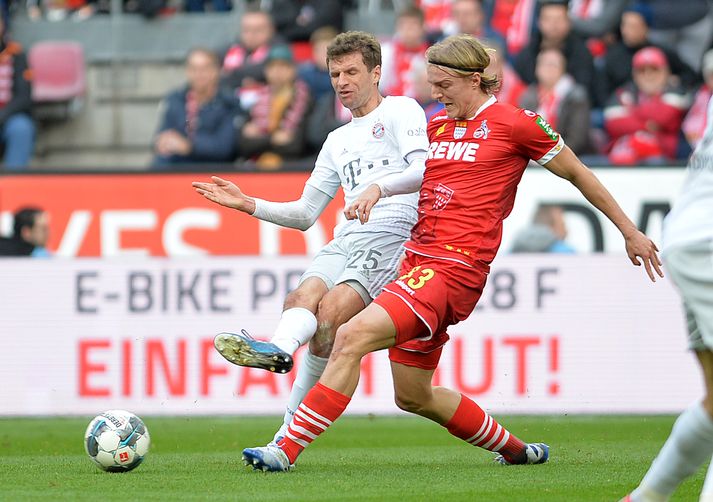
x,y
707,491
687,447
311,368
297,325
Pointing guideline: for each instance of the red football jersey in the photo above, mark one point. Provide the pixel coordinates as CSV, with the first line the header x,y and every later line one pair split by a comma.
x,y
472,171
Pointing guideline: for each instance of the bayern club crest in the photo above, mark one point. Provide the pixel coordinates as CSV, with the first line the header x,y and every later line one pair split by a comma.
x,y
460,129
378,130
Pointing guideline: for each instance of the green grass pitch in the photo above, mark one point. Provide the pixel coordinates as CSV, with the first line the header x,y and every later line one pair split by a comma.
x,y
359,458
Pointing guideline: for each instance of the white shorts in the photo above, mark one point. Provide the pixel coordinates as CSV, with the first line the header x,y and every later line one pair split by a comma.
x,y
365,261
691,268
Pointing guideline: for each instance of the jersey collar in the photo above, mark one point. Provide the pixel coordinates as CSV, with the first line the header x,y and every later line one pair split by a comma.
x,y
491,100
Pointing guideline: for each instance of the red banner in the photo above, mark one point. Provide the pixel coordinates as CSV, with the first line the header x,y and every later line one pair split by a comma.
x,y
161,215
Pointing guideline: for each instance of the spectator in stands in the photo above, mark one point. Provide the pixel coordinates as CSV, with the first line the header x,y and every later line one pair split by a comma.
x,y
634,28
399,54
30,234
79,10
644,117
561,101
546,234
16,125
695,122
511,87
436,16
199,121
422,88
244,61
513,20
327,114
275,131
468,17
315,73
596,19
685,26
296,20
555,31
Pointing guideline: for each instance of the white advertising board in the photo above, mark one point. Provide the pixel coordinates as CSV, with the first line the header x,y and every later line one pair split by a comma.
x,y
552,334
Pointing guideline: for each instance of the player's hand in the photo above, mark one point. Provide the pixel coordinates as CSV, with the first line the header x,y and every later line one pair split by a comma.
x,y
641,248
361,207
225,193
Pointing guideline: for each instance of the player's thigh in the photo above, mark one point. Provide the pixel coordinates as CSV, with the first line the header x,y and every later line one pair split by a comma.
x,y
372,261
307,295
412,386
327,265
691,268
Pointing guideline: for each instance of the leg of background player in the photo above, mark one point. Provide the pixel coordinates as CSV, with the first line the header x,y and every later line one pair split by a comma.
x,y
689,445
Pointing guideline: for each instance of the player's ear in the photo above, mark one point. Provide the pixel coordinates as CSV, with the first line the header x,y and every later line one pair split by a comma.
x,y
476,78
377,73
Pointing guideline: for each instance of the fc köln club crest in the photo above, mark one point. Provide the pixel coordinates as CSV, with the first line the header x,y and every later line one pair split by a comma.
x,y
482,131
459,131
443,196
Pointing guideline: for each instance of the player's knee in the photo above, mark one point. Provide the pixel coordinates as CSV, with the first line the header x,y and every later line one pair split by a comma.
x,y
348,341
301,297
321,343
413,402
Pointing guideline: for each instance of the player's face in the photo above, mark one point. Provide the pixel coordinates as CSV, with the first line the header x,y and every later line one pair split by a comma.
x,y
461,96
355,85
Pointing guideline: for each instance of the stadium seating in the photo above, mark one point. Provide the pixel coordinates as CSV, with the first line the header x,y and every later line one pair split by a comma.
x,y
59,78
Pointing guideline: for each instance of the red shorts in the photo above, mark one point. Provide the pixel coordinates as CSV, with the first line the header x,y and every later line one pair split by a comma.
x,y
429,296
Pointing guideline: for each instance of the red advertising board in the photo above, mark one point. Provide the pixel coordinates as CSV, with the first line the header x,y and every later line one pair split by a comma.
x,y
160,214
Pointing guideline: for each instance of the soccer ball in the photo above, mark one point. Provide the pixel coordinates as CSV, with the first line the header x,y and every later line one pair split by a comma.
x,y
117,441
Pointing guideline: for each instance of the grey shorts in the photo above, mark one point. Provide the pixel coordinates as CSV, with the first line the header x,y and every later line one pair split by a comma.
x,y
365,261
691,268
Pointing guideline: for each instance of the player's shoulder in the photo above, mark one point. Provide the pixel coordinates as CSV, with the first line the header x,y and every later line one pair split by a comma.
x,y
437,119
400,101
508,111
401,108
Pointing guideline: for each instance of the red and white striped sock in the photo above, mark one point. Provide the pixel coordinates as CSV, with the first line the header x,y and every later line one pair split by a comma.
x,y
321,407
471,424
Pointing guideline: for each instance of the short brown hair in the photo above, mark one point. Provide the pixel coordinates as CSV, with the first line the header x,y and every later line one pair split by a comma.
x,y
356,41
464,55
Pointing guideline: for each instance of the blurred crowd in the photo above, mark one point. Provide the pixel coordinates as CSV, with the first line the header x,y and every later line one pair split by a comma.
x,y
624,81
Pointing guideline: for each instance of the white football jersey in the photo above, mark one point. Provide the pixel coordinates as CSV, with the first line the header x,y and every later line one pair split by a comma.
x,y
365,150
691,218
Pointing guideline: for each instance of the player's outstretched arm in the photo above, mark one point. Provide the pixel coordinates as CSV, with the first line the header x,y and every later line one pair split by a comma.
x,y
639,247
226,194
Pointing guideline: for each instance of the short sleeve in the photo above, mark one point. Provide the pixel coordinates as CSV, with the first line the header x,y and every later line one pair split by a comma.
x,y
534,138
408,125
325,177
